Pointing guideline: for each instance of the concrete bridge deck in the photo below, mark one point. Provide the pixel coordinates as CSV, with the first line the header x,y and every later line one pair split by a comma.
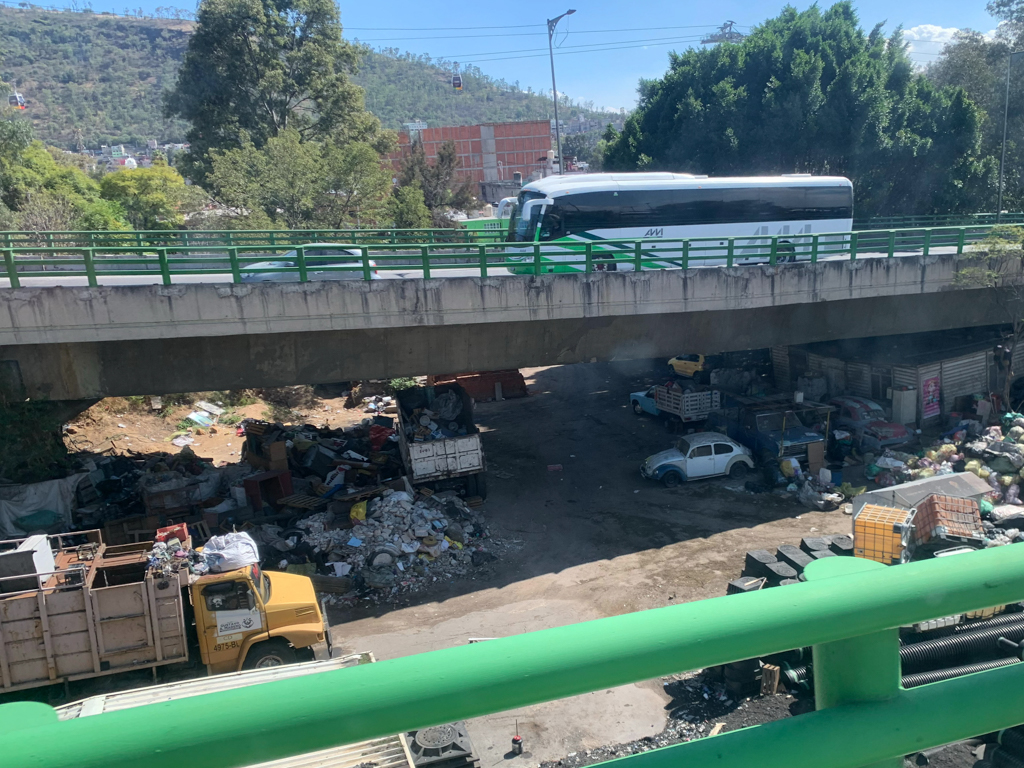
x,y
80,342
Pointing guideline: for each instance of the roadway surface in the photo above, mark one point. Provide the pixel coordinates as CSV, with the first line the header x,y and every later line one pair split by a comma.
x,y
79,279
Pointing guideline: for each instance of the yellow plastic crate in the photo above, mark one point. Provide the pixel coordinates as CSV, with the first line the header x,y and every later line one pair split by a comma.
x,y
883,534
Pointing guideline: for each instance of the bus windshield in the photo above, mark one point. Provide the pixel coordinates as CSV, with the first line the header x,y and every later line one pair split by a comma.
x,y
521,230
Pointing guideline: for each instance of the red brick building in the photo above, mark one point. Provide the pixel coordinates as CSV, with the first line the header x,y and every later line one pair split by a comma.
x,y
489,152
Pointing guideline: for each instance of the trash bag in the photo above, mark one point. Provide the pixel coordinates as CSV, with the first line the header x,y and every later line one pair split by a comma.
x,y
872,471
849,491
973,466
230,551
358,511
447,406
986,506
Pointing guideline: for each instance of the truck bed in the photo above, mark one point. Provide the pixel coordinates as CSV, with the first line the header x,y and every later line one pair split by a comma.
x,y
96,614
688,406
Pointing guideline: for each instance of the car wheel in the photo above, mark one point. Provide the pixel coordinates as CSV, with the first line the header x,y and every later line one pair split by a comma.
x,y
671,479
637,409
738,470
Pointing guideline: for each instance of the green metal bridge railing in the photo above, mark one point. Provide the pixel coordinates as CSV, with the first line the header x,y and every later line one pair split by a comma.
x,y
163,263
173,238
849,611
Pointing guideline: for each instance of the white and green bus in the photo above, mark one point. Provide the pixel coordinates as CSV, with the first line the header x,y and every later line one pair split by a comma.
x,y
563,213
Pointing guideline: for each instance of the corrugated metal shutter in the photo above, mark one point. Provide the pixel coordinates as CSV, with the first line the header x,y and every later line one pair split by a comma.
x,y
780,367
965,375
925,372
835,374
816,363
858,379
904,377
1018,359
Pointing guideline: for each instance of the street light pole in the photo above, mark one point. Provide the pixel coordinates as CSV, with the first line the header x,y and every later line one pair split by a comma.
x,y
552,23
1006,118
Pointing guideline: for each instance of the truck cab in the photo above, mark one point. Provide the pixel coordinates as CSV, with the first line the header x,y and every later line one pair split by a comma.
x,y
774,427
252,619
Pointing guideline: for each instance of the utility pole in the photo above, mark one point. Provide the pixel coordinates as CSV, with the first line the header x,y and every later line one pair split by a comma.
x,y
1006,118
552,23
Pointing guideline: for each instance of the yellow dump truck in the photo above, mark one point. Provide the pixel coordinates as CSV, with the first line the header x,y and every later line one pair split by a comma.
x,y
72,607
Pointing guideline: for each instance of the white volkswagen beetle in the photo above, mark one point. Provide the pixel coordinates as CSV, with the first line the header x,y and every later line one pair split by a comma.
x,y
696,456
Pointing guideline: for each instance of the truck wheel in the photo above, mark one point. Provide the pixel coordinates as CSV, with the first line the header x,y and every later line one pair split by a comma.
x,y
671,479
269,653
637,408
738,470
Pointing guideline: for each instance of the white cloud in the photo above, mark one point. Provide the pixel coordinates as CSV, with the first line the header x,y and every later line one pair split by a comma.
x,y
927,41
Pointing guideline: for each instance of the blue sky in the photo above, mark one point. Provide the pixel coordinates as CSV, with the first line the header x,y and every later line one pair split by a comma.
x,y
508,40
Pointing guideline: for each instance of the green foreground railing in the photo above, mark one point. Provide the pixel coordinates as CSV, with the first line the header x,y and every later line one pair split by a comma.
x,y
235,263
938,220
849,610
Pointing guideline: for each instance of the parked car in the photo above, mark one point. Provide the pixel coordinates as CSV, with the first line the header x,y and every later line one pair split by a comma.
x,y
686,365
677,404
867,421
696,456
317,255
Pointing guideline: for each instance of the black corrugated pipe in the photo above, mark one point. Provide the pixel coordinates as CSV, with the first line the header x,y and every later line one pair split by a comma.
x,y
934,634
1003,759
1013,741
959,647
935,675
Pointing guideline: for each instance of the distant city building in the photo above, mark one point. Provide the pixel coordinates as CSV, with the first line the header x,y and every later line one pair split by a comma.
x,y
125,162
152,144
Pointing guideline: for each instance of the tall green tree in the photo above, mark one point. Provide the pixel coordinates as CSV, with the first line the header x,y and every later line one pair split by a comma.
x,y
303,184
152,198
442,192
812,92
978,64
261,67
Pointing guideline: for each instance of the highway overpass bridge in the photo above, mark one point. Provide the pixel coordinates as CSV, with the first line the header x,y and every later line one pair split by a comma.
x,y
74,343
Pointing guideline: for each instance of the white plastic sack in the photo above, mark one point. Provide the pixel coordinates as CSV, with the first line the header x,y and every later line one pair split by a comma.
x,y
230,551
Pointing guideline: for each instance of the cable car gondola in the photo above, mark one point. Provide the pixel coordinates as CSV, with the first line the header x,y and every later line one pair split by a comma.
x,y
16,100
457,82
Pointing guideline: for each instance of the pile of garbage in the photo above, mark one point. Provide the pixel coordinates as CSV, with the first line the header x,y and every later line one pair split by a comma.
x,y
816,489
443,419
391,545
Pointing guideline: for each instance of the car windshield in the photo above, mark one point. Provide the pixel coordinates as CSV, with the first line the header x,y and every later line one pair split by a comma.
x,y
773,422
683,446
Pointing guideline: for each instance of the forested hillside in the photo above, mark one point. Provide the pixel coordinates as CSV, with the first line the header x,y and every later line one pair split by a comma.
x,y
401,87
105,75
95,73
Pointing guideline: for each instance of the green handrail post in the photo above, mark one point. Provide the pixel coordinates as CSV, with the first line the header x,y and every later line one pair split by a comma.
x,y
184,238
425,256
90,268
273,237
300,259
364,257
638,256
855,670
892,243
12,272
729,254
961,235
236,274
927,241
482,249
165,268
853,246
49,239
138,239
684,261
814,249
536,259
773,252
230,238
588,254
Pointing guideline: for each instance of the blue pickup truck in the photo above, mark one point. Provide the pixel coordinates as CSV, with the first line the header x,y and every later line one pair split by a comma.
x,y
774,426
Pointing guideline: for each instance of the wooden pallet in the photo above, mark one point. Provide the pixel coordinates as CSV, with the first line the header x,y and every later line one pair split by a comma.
x,y
302,501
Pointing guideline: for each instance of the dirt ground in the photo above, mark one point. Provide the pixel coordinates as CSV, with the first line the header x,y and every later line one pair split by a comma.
x,y
591,539
597,540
